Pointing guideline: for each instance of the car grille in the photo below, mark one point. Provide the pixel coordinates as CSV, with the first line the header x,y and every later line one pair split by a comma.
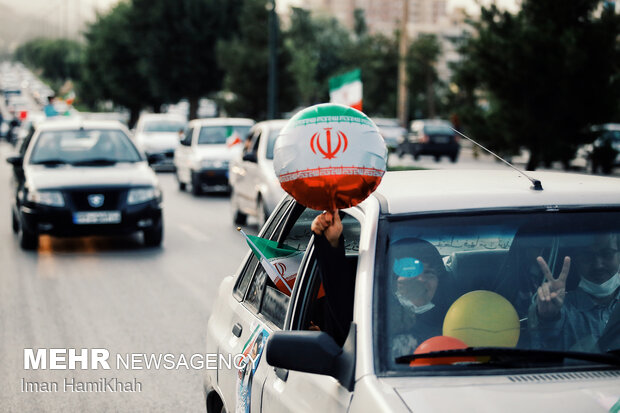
x,y
111,199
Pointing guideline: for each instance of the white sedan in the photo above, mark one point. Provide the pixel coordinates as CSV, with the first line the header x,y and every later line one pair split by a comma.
x,y
442,313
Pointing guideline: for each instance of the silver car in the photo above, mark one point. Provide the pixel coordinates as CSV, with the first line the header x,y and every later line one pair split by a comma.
x,y
255,187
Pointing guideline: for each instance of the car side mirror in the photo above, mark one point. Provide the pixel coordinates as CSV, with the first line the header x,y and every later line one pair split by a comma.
x,y
314,352
250,157
16,161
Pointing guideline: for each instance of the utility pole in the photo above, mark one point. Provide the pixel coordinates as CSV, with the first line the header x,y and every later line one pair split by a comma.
x,y
272,91
402,68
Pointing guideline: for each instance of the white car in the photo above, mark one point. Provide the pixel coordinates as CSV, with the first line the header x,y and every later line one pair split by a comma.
x,y
204,154
158,135
488,227
255,187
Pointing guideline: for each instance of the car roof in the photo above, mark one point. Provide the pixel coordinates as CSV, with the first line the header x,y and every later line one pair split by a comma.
x,y
222,121
273,123
73,123
447,190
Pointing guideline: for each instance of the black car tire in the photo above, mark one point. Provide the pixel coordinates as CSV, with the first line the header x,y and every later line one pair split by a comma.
x,y
437,158
182,184
239,218
261,213
416,156
15,222
454,157
196,189
153,236
28,240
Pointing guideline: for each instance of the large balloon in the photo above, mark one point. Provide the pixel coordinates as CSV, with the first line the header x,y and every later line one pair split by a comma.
x,y
439,343
330,157
482,319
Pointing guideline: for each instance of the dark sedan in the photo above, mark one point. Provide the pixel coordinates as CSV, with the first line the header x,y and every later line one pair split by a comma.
x,y
84,178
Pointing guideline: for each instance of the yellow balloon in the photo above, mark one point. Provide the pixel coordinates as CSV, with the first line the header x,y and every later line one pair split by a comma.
x,y
482,319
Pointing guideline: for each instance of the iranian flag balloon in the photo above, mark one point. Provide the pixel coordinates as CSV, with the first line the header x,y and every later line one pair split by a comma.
x,y
329,157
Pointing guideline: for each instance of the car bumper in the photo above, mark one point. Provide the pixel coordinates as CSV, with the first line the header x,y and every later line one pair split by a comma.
x,y
211,179
60,221
164,159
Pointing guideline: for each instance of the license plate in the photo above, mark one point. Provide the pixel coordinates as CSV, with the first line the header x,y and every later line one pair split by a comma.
x,y
441,139
97,217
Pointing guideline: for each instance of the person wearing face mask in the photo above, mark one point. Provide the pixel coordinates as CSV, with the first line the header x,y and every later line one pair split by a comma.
x,y
423,292
576,320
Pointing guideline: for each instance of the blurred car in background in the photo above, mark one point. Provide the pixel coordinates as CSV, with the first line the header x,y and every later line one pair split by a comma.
x,y
84,178
603,153
255,189
203,156
433,137
393,134
158,135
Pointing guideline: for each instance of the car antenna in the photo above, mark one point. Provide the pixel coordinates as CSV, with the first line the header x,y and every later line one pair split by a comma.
x,y
536,184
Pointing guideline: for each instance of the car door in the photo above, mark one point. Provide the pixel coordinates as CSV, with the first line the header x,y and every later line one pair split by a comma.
x,y
247,185
259,308
292,391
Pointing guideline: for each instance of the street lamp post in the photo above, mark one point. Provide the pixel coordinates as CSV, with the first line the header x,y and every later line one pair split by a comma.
x,y
272,91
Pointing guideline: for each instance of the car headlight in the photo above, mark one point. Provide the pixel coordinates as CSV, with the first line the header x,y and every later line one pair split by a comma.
x,y
214,164
49,198
140,195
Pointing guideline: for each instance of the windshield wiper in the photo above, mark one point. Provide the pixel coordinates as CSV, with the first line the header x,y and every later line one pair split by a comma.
x,y
50,162
503,355
95,162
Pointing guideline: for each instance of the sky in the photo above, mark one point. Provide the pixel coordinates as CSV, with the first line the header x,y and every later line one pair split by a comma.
x,y
71,10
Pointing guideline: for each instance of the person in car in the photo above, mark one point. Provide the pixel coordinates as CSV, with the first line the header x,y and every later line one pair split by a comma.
x,y
575,320
422,295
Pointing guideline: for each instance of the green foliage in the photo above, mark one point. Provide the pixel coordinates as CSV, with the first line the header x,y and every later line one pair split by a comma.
x,y
245,60
57,60
177,44
543,74
112,64
424,87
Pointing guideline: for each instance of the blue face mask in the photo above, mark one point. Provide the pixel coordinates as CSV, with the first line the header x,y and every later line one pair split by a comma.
x,y
408,267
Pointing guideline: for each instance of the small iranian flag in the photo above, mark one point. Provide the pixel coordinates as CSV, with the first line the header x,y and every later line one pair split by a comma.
x,y
281,262
233,139
346,89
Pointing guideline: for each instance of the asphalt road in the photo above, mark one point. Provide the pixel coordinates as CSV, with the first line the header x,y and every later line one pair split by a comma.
x,y
113,294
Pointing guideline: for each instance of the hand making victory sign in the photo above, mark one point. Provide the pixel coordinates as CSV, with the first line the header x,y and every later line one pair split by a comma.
x,y
550,295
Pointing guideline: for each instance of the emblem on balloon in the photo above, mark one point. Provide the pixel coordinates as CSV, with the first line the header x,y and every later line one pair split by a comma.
x,y
330,157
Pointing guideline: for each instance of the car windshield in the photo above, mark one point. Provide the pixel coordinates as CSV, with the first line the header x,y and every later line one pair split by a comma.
x,y
437,129
273,134
464,281
210,135
164,126
83,146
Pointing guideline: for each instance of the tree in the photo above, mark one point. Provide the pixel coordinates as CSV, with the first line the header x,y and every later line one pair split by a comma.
x,y
178,45
57,60
544,74
423,79
245,61
111,68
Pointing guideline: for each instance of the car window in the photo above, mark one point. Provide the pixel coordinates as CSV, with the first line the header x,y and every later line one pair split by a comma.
x,y
314,310
163,126
250,267
263,295
273,135
75,146
187,137
476,278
